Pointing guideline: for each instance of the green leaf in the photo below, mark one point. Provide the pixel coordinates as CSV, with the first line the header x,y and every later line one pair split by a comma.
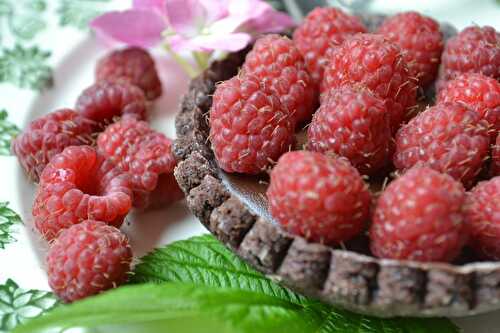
x,y
7,131
205,261
78,13
166,304
8,218
18,305
25,67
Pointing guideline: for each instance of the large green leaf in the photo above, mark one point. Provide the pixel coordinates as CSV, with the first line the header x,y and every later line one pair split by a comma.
x,y
8,219
205,261
169,304
17,305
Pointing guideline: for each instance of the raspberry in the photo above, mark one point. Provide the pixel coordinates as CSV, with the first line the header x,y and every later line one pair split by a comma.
x,y
47,136
321,198
103,102
146,155
321,31
378,64
248,126
475,50
354,123
80,184
133,65
478,92
495,158
482,216
421,41
86,259
419,217
279,65
449,138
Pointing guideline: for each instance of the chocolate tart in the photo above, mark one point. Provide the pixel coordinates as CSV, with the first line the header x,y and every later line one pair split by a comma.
x,y
233,208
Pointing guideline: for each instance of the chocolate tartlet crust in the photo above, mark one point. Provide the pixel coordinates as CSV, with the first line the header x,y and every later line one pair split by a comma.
x,y
355,281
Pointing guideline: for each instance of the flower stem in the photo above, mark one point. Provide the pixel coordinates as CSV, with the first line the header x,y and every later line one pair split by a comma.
x,y
201,59
185,65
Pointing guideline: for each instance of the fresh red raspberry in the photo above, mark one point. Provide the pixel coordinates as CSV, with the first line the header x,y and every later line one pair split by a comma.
x,y
321,198
419,217
322,30
354,123
248,126
378,64
133,65
475,50
495,158
421,41
477,92
47,136
449,138
279,65
482,217
86,259
146,155
80,184
104,102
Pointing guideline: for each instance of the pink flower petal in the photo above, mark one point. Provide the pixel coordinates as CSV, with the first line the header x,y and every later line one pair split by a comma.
x,y
186,17
207,43
270,21
159,5
215,9
137,27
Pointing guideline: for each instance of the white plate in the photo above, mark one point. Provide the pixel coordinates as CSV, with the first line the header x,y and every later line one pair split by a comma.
x,y
75,56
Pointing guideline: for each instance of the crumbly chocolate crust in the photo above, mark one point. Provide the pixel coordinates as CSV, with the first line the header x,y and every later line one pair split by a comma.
x,y
355,281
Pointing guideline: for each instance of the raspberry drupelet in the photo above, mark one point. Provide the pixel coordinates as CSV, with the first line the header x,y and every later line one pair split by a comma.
x,y
421,41
354,123
80,184
321,198
86,259
478,92
483,218
377,63
133,65
447,137
147,155
322,30
249,128
419,217
47,136
279,65
474,50
105,102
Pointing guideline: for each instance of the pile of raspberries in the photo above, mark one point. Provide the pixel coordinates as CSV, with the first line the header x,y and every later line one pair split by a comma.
x,y
93,164
359,95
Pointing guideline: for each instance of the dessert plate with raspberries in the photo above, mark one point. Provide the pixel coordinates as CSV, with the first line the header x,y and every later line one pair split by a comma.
x,y
355,160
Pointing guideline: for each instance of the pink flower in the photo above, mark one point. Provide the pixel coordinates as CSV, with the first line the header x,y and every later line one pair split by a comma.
x,y
192,25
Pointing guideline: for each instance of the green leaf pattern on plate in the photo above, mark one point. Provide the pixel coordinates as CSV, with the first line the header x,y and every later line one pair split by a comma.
x,y
78,13
17,305
8,219
25,67
22,18
7,132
